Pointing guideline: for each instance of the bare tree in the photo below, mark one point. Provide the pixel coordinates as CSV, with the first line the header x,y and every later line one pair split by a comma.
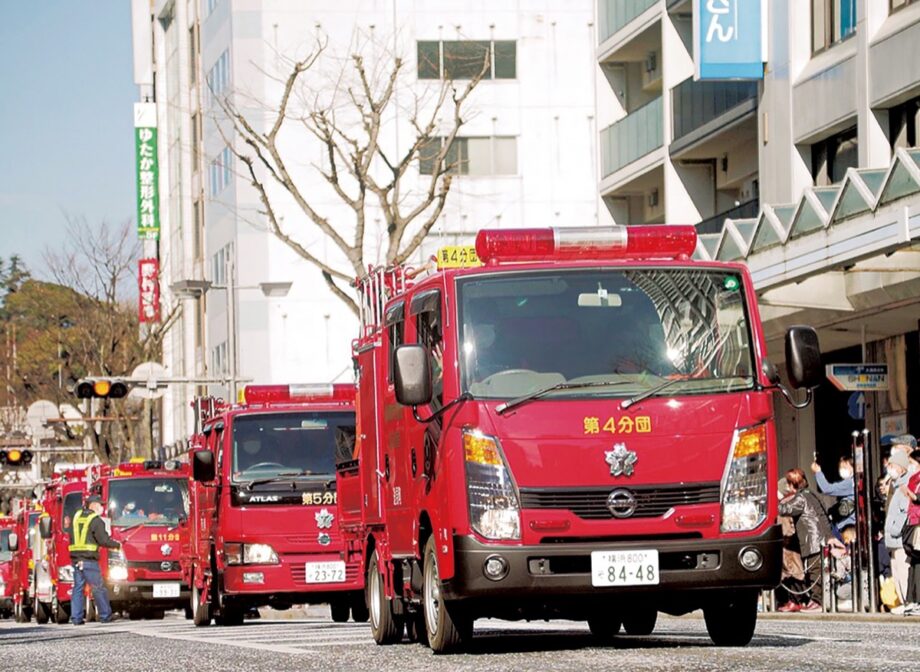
x,y
348,117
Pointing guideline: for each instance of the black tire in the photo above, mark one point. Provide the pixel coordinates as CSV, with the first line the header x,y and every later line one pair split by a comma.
x,y
58,612
42,612
641,622
201,613
604,628
731,620
137,614
448,628
359,610
386,627
415,628
188,613
22,613
339,610
230,614
156,614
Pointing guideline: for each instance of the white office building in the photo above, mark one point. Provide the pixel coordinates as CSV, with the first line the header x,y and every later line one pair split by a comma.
x,y
527,157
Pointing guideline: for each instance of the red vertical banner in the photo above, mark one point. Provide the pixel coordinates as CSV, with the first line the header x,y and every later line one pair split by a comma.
x,y
148,284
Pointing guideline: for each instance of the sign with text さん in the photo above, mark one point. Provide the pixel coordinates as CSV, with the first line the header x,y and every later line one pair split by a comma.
x,y
148,290
728,38
858,377
148,194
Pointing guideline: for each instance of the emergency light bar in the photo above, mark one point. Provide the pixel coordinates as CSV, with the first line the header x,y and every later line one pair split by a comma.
x,y
596,242
268,394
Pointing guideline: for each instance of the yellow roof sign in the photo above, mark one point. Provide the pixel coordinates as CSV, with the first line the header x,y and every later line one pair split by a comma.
x,y
458,256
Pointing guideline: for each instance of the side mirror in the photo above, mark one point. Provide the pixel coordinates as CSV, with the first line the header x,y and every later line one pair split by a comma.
x,y
44,527
769,371
412,375
12,542
803,358
203,466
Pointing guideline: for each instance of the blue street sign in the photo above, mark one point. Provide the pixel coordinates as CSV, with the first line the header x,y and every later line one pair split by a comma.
x,y
853,377
728,39
856,406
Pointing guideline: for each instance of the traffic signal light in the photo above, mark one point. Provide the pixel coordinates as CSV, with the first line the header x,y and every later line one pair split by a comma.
x,y
13,457
102,388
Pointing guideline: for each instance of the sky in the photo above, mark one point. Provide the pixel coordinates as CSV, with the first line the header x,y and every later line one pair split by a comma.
x,y
66,138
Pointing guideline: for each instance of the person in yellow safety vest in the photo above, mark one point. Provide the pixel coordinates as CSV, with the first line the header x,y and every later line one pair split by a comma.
x,y
87,534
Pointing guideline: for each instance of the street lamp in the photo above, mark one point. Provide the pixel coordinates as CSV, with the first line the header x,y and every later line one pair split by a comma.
x,y
198,288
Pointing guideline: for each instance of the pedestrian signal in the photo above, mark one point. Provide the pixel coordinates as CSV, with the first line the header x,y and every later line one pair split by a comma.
x,y
101,388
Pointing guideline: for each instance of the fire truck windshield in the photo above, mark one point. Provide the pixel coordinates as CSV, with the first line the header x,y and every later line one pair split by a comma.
x,y
147,501
626,330
73,502
296,444
5,554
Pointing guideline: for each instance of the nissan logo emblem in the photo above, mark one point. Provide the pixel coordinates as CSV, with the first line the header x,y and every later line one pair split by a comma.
x,y
166,565
622,503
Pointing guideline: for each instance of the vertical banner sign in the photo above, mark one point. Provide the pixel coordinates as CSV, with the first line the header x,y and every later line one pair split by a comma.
x,y
148,286
148,196
728,38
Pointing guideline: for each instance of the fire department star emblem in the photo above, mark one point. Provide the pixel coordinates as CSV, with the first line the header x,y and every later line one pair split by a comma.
x,y
324,519
165,549
622,461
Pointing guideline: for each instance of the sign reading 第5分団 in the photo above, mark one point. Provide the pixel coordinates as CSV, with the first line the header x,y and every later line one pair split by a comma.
x,y
145,152
729,40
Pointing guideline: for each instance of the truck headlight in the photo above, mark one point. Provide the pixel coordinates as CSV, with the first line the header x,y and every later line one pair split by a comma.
x,y
744,484
494,509
65,574
259,554
118,566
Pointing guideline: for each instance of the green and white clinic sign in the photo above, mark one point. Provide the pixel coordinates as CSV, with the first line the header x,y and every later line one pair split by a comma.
x,y
145,152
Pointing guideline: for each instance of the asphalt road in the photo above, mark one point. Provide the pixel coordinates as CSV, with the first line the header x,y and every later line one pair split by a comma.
x,y
315,643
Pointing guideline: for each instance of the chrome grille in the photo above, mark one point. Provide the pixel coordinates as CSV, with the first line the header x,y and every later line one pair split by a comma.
x,y
591,503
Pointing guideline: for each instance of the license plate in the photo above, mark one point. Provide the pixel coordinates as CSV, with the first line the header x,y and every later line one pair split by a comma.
x,y
166,590
326,572
624,568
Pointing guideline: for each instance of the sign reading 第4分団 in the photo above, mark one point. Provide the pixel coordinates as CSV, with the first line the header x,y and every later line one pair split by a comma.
x,y
728,38
145,152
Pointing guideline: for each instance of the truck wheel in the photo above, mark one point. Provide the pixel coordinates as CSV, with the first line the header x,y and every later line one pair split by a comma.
x,y
447,627
359,611
415,628
136,614
731,619
201,613
21,613
640,622
604,628
386,627
42,612
57,611
230,614
339,609
156,614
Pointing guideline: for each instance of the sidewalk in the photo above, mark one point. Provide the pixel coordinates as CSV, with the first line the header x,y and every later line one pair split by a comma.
x,y
839,616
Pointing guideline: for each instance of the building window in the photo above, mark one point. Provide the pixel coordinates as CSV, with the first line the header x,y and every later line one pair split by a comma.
x,y
464,59
219,77
895,5
193,48
196,142
198,233
219,360
219,266
496,155
831,157
903,124
831,22
220,172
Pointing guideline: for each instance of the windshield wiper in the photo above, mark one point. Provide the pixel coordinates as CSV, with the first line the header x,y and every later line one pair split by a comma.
x,y
282,475
523,399
652,391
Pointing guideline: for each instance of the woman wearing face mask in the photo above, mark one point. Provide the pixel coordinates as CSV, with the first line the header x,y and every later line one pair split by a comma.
x,y
898,472
843,512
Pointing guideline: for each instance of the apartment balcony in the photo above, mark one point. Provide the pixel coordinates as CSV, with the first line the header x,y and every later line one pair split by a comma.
x,y
710,116
639,133
614,15
747,210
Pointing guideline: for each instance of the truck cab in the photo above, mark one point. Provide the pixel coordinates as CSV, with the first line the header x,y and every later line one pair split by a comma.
x,y
265,529
23,566
147,506
7,574
579,425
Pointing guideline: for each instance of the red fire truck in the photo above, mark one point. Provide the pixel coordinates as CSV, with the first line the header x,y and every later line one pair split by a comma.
x,y
578,424
147,504
264,529
8,545
52,581
23,570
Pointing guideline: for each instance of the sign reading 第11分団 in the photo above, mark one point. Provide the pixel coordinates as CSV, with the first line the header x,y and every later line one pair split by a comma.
x,y
145,152
728,38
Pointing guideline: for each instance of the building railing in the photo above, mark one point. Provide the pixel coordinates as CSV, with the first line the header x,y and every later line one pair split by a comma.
x,y
696,103
746,210
632,137
615,14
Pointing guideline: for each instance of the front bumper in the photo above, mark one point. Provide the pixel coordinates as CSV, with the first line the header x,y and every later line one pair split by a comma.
x,y
124,593
563,570
288,579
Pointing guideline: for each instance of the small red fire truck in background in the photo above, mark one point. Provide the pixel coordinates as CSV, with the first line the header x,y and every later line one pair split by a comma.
x,y
147,504
8,545
263,504
27,537
577,424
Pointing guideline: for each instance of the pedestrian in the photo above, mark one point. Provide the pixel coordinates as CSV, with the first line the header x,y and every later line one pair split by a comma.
x,y
898,465
86,536
843,513
813,529
792,579
911,535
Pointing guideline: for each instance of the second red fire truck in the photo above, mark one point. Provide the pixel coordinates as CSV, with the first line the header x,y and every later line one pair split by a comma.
x,y
263,504
578,424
